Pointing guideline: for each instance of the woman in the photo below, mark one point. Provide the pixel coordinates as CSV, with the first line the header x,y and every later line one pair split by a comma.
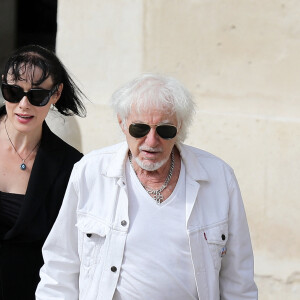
x,y
35,164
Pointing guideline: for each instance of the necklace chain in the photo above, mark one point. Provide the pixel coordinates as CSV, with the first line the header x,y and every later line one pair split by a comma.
x,y
23,165
157,194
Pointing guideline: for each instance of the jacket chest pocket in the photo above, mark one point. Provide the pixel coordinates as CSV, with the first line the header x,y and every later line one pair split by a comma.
x,y
91,240
216,238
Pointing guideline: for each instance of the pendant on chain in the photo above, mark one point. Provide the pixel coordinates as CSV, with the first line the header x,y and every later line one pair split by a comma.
x,y
23,166
157,196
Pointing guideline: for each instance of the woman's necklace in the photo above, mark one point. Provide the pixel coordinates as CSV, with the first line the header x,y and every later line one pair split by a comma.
x,y
23,165
157,195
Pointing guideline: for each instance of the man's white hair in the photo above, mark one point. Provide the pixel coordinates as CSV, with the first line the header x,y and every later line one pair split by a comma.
x,y
155,91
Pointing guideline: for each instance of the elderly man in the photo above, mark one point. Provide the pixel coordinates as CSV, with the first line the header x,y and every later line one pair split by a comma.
x,y
150,218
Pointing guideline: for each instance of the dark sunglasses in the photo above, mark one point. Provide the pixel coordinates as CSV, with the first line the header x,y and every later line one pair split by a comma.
x,y
165,131
37,97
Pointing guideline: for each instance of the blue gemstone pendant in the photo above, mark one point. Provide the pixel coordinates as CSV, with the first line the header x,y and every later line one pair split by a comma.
x,y
23,167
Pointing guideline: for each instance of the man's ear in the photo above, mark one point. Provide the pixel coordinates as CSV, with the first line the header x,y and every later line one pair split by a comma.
x,y
121,123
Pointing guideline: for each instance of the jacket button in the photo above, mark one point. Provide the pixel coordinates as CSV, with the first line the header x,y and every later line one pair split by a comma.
x,y
88,235
113,269
123,223
223,237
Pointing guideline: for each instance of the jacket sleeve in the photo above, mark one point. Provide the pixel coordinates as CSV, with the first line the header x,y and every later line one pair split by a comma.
x,y
60,272
237,271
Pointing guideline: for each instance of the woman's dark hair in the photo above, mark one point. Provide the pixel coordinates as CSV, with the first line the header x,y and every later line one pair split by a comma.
x,y
28,57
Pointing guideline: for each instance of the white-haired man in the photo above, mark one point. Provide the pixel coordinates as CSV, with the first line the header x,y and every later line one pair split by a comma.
x,y
150,218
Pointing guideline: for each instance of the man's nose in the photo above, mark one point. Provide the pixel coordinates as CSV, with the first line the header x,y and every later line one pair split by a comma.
x,y
152,137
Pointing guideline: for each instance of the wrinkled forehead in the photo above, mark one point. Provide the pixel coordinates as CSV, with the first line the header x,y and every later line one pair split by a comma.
x,y
152,114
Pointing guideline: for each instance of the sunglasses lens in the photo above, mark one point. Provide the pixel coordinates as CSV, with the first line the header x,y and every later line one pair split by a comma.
x,y
166,132
38,97
139,130
11,93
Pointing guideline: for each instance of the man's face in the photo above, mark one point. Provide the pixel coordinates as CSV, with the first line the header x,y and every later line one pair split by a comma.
x,y
150,151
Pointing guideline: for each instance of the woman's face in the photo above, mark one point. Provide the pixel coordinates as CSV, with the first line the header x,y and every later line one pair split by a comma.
x,y
24,116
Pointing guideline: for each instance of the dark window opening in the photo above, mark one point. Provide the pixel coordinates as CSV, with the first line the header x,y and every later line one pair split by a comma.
x,y
36,23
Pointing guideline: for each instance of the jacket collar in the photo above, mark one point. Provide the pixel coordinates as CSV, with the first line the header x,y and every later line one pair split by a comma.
x,y
192,164
118,161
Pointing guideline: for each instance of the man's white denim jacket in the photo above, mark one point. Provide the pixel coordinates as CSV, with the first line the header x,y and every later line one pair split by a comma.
x,y
84,251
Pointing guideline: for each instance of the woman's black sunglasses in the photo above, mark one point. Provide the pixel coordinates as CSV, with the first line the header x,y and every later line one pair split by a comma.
x,y
165,131
37,97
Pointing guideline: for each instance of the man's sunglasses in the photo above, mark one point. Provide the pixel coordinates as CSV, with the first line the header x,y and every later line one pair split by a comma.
x,y
37,97
165,131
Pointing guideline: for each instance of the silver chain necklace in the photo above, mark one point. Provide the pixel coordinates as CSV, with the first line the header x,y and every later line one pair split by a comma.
x,y
157,194
23,165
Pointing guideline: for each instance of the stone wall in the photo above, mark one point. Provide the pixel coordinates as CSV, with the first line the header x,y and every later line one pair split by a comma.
x,y
241,61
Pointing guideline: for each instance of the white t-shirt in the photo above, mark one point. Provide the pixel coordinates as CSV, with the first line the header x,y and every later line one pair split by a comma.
x,y
157,263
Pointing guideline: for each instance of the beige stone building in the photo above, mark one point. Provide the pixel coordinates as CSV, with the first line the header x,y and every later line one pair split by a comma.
x,y
241,61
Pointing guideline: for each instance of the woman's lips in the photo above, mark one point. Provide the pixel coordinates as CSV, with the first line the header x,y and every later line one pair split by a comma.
x,y
24,118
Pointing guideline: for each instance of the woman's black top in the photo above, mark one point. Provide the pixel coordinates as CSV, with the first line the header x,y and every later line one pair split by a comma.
x,y
10,205
28,220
